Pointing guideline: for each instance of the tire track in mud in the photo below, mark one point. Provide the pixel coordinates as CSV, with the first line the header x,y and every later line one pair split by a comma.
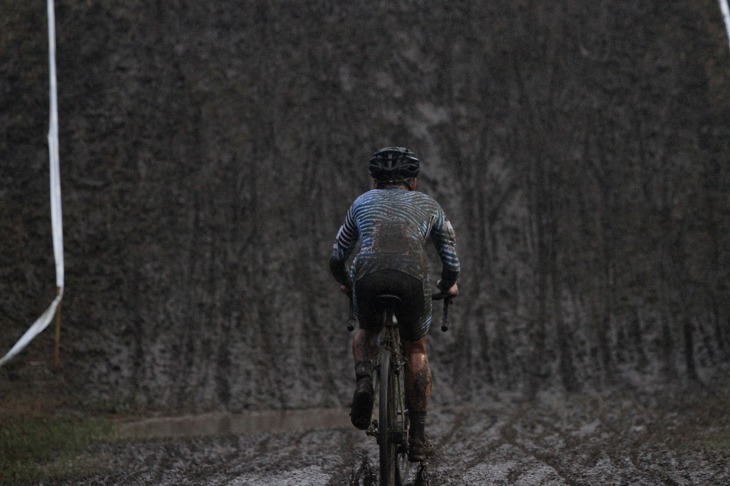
x,y
481,447
555,439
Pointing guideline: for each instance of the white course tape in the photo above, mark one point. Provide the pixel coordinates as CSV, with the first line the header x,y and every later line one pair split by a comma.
x,y
56,220
726,16
34,330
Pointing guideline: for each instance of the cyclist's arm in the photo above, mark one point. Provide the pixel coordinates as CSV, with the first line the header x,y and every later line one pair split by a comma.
x,y
344,243
339,271
444,238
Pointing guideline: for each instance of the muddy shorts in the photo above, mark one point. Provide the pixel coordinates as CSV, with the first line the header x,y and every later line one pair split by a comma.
x,y
413,312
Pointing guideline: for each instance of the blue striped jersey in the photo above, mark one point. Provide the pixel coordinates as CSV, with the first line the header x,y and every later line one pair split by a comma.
x,y
393,226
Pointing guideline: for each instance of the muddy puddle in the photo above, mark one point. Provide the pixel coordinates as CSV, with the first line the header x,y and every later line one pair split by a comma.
x,y
212,424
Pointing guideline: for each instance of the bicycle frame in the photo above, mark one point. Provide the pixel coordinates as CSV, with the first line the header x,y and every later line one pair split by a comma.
x,y
391,428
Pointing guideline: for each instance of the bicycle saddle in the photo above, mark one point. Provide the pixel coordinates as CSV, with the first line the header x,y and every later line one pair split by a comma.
x,y
388,301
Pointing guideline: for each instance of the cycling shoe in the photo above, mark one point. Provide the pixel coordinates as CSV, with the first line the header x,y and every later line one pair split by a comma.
x,y
419,450
362,403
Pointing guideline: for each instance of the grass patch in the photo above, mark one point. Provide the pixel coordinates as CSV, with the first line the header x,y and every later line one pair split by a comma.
x,y
34,449
47,434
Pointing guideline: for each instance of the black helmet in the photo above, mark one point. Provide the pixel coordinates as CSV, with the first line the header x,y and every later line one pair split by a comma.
x,y
393,164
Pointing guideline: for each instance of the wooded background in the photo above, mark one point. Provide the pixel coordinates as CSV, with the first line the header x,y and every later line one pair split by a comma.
x,y
210,150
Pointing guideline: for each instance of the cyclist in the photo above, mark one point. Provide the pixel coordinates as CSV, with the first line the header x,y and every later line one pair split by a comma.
x,y
393,223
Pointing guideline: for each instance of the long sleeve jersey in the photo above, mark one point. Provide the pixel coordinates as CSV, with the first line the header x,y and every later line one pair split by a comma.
x,y
393,226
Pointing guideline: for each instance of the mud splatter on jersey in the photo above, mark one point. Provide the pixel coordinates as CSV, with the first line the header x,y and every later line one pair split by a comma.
x,y
393,227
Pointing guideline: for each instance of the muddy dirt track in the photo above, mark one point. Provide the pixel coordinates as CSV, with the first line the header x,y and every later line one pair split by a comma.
x,y
665,438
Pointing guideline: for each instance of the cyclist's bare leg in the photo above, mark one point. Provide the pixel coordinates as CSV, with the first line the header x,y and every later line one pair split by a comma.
x,y
364,347
364,351
418,385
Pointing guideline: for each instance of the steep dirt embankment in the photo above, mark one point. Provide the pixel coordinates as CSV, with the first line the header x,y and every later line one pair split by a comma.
x,y
210,151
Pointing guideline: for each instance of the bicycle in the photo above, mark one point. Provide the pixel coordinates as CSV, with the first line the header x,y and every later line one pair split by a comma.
x,y
391,427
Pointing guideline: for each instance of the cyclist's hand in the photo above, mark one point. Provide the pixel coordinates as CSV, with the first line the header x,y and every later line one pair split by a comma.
x,y
451,292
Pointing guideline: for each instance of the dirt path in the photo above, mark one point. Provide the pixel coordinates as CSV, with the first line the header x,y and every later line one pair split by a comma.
x,y
663,439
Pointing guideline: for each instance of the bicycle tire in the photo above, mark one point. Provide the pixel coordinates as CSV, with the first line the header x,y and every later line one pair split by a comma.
x,y
394,463
399,438
385,423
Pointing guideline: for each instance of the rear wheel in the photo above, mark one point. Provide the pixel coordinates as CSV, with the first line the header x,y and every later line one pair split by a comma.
x,y
385,423
400,437
392,426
